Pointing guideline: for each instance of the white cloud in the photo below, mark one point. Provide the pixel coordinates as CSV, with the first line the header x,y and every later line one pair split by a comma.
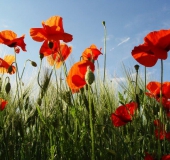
x,y
123,41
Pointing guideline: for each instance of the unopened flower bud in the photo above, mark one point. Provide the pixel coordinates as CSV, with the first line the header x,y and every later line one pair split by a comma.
x,y
17,50
103,23
89,76
41,56
10,69
34,64
136,67
8,87
50,44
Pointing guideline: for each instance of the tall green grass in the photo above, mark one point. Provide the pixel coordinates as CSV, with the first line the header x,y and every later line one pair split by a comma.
x,y
52,123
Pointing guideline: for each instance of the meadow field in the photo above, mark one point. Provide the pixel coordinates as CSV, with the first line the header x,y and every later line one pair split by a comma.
x,y
82,113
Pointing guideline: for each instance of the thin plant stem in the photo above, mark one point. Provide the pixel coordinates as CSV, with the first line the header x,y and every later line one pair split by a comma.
x,y
105,35
91,125
161,110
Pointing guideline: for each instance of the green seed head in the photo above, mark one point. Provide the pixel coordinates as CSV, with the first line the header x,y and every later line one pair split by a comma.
x,y
136,67
103,23
34,64
8,87
89,76
41,56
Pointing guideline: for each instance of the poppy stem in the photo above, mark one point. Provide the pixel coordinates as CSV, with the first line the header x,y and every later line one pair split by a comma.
x,y
105,35
91,126
24,68
38,78
161,114
160,111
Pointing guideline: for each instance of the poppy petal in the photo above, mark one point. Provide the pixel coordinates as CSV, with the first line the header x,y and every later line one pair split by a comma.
x,y
144,55
123,114
37,34
3,104
78,81
159,38
7,35
76,75
154,87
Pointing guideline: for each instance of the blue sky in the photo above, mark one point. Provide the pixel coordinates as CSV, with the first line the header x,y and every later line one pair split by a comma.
x,y
127,23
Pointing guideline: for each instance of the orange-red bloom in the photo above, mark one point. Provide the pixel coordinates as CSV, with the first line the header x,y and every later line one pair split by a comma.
x,y
144,55
76,75
166,157
10,39
6,63
91,53
52,31
149,157
3,104
123,114
47,50
58,57
57,53
154,88
156,45
160,132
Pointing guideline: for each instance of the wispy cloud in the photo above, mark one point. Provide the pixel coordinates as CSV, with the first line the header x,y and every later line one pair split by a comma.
x,y
123,41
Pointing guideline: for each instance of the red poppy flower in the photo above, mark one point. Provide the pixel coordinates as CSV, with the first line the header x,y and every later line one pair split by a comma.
x,y
168,136
61,55
10,39
47,50
3,103
91,53
156,45
76,75
166,157
6,63
154,88
123,114
160,132
52,31
148,156
144,55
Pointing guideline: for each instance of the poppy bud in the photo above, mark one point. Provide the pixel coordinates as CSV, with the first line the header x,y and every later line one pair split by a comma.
x,y
103,23
136,67
8,87
17,50
41,56
89,76
10,69
50,44
34,64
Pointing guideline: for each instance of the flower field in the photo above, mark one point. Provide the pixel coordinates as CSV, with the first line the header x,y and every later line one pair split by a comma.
x,y
83,116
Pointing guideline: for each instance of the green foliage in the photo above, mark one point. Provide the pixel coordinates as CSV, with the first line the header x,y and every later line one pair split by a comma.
x,y
59,126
